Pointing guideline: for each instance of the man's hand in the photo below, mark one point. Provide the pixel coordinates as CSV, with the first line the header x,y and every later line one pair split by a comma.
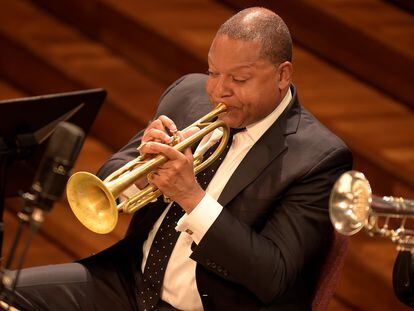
x,y
158,130
175,178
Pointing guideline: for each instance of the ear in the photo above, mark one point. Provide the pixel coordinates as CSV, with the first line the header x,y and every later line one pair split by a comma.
x,y
285,70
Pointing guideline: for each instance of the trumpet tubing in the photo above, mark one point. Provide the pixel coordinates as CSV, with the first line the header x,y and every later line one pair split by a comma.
x,y
352,206
93,201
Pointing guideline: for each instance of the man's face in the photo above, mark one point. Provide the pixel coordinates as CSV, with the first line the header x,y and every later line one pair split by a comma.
x,y
248,84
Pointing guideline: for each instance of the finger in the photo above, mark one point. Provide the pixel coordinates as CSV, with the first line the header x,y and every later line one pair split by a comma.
x,y
169,152
145,148
189,154
168,123
180,136
156,124
150,177
157,135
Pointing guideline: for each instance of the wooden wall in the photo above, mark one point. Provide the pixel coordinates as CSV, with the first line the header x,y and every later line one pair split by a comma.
x,y
354,65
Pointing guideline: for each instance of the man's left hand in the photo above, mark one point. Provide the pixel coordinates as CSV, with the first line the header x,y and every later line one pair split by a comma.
x,y
175,178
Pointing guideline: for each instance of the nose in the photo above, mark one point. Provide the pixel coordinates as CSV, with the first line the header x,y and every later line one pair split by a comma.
x,y
221,88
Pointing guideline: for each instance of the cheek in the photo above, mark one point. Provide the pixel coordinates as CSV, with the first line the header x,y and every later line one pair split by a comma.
x,y
256,103
208,87
247,100
211,85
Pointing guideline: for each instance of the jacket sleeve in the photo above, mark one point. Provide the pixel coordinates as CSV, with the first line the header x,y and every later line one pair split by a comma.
x,y
297,229
168,105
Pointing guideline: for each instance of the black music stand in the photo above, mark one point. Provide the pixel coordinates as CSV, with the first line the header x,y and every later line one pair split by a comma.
x,y
25,126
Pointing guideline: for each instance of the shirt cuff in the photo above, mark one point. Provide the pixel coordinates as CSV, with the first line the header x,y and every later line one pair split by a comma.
x,y
200,219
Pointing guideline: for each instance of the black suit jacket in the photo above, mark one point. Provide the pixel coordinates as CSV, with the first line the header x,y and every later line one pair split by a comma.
x,y
264,250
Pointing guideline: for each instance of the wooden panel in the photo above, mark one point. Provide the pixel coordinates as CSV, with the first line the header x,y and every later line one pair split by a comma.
x,y
7,91
191,25
368,121
78,62
407,5
348,106
339,38
23,72
377,18
79,58
156,54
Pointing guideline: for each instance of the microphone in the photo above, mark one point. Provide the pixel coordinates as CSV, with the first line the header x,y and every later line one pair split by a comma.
x,y
48,185
56,164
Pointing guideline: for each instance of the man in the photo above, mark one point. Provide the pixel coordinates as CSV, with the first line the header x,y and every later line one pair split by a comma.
x,y
256,237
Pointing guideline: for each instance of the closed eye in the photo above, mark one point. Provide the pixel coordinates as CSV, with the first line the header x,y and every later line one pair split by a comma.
x,y
239,80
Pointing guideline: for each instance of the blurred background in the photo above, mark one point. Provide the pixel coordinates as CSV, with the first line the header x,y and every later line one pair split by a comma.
x,y
353,67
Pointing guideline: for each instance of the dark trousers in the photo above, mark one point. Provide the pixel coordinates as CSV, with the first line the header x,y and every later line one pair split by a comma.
x,y
71,287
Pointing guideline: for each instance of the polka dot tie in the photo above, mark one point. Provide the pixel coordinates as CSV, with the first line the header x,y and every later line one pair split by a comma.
x,y
164,241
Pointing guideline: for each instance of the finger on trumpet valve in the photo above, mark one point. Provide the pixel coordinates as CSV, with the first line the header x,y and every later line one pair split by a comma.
x,y
142,145
150,175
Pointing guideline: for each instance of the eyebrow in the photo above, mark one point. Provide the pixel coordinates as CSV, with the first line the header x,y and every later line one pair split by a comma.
x,y
243,66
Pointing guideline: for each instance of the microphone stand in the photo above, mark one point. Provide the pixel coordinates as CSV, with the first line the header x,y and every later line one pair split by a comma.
x,y
48,185
33,216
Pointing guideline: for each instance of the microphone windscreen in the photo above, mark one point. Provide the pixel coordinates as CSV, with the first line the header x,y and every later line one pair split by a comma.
x,y
58,159
65,143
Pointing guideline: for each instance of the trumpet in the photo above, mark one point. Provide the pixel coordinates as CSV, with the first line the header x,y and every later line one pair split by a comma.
x,y
93,201
352,206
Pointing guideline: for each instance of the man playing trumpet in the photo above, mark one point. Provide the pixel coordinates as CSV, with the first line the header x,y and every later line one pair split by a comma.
x,y
249,235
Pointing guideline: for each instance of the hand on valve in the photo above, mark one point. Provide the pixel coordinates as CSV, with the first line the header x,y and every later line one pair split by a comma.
x,y
175,178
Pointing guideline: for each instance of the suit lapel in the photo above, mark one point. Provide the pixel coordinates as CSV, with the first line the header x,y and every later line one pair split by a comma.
x,y
265,150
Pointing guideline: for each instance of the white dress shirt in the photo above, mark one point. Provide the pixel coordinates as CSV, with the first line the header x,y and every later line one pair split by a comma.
x,y
179,287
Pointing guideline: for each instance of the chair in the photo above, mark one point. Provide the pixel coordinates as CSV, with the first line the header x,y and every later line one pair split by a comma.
x,y
330,272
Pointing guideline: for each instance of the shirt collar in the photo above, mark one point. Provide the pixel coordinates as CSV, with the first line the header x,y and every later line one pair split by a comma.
x,y
257,129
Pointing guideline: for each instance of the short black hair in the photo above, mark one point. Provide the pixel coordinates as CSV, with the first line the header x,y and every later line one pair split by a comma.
x,y
261,25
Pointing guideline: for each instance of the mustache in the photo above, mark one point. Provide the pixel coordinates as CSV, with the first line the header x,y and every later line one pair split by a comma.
x,y
227,104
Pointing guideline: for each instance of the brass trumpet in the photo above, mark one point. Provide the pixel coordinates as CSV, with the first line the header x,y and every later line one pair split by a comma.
x,y
352,206
93,201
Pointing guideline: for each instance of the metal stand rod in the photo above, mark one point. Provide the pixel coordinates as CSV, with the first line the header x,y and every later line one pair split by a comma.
x,y
35,217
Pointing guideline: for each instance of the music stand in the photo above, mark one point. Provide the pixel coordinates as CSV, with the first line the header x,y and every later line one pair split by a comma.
x,y
25,126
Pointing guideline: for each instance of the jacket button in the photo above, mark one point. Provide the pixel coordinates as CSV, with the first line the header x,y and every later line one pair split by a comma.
x,y
213,265
219,269
208,262
225,272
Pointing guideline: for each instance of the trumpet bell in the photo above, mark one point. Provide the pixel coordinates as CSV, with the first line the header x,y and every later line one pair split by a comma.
x,y
350,202
92,202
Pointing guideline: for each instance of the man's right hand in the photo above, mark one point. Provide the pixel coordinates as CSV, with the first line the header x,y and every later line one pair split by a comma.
x,y
161,130
158,130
